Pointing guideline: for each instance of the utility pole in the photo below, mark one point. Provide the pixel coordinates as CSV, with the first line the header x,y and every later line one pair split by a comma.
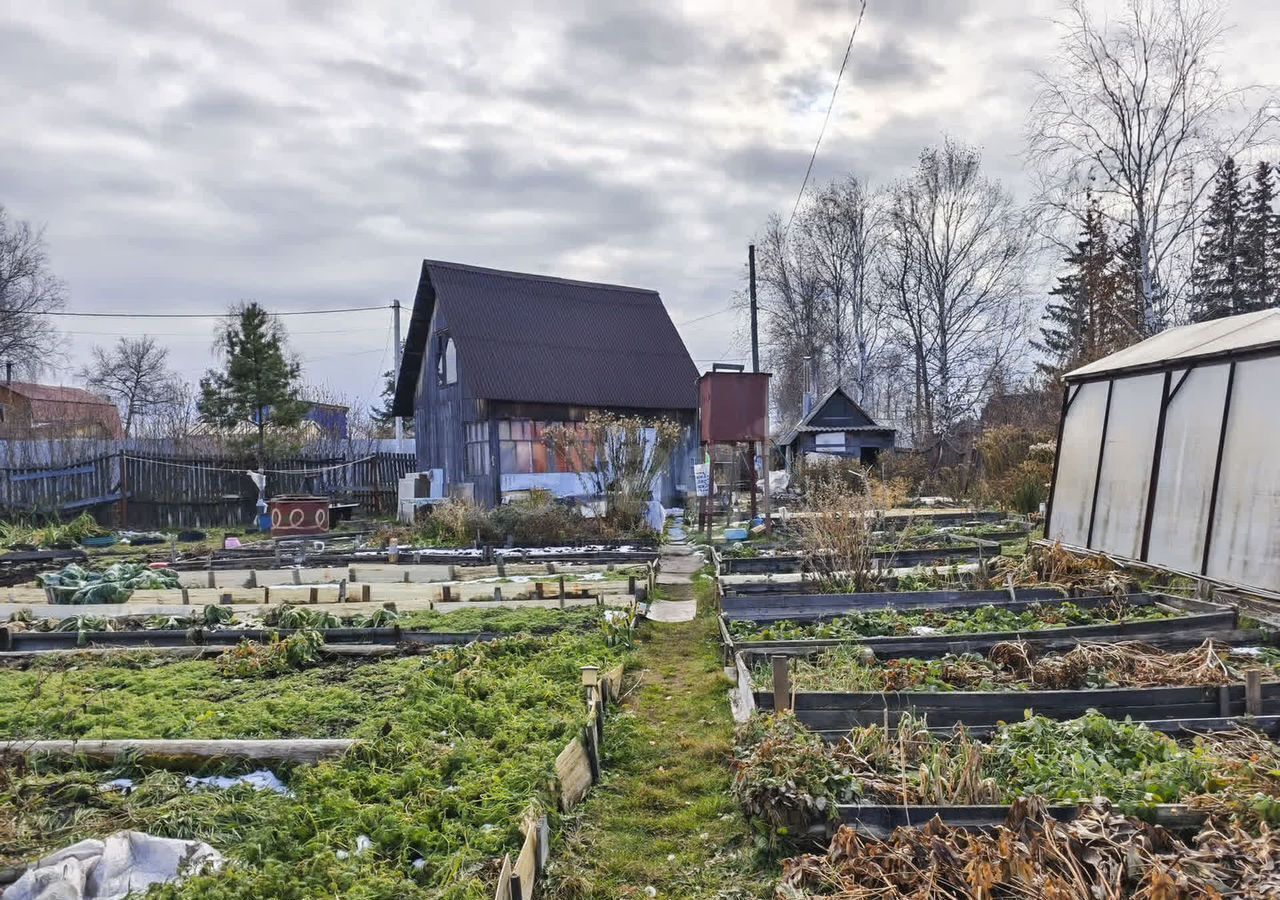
x,y
755,330
395,375
761,447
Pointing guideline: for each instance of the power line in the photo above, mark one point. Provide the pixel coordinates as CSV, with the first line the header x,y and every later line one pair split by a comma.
x,y
827,118
217,315
718,312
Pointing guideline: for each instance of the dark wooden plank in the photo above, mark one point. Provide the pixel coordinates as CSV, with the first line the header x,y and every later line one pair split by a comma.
x,y
1185,632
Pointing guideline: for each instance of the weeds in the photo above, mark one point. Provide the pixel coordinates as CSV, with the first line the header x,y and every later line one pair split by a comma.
x,y
1014,665
884,623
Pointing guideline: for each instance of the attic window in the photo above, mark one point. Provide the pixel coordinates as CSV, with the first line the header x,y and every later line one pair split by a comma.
x,y
447,361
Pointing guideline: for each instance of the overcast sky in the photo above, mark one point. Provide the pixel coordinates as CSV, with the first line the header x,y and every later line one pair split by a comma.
x,y
184,156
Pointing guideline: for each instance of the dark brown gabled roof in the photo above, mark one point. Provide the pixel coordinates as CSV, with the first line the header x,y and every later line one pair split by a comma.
x,y
536,339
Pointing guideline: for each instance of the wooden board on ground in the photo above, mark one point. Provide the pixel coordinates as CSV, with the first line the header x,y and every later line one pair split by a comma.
x,y
573,771
526,867
184,754
504,880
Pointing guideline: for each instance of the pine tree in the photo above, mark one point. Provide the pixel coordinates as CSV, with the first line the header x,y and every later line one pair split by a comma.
x,y
382,414
1070,333
1260,263
259,384
1218,281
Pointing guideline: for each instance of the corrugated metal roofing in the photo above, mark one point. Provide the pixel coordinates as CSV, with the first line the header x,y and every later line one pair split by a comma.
x,y
537,339
1189,342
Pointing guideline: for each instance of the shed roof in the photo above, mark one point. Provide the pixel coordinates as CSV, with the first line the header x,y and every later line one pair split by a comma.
x,y
1219,337
806,426
537,339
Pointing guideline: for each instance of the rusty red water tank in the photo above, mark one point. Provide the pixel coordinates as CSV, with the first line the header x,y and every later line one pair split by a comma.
x,y
734,407
293,514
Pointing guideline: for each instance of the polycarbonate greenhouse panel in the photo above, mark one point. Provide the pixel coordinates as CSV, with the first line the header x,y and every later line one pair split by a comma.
x,y
1245,547
1126,465
1181,511
1078,464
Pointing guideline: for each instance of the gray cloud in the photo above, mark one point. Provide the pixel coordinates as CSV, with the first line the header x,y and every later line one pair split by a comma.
x,y
186,155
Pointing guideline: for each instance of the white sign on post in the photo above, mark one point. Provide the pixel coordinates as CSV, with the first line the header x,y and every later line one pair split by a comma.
x,y
701,479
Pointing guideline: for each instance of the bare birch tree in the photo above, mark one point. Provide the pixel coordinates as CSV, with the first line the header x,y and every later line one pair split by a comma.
x,y
953,269
1134,109
134,374
837,234
28,292
792,308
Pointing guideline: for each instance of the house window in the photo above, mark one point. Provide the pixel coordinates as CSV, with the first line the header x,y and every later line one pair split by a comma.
x,y
477,440
829,440
523,448
447,361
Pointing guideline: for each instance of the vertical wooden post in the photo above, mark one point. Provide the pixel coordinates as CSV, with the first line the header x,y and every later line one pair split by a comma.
x,y
297,575
124,491
211,580
252,581
313,595
342,591
351,573
497,594
1253,692
225,599
266,593
591,681
781,684
406,577
445,594
562,590
502,567
538,589
453,573
186,597
631,584
551,568
365,593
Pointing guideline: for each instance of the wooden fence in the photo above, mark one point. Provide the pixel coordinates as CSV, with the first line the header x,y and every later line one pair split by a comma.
x,y
149,491
577,769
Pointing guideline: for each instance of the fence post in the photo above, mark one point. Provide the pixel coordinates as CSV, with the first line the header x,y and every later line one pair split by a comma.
x,y
781,684
124,491
1253,692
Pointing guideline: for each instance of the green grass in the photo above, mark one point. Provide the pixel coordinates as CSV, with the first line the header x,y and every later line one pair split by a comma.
x,y
663,817
454,746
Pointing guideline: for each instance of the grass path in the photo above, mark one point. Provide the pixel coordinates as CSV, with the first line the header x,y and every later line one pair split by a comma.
x,y
662,818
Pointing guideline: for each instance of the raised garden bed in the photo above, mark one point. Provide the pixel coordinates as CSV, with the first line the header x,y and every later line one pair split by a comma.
x,y
1200,683
968,626
940,549
909,777
451,750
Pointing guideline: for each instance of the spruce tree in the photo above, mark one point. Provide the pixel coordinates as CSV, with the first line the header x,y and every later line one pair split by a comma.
x,y
1218,280
1070,332
1124,321
1260,263
259,383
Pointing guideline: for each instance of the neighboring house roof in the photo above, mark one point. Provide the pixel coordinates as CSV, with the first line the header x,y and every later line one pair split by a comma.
x,y
536,339
1218,337
807,424
59,405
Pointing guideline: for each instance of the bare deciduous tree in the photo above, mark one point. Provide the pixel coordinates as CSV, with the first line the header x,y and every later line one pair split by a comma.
x,y
838,235
1134,109
135,375
953,271
28,292
816,297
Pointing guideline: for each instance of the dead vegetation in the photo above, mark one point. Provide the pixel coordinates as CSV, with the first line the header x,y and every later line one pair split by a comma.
x,y
1012,665
1100,855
